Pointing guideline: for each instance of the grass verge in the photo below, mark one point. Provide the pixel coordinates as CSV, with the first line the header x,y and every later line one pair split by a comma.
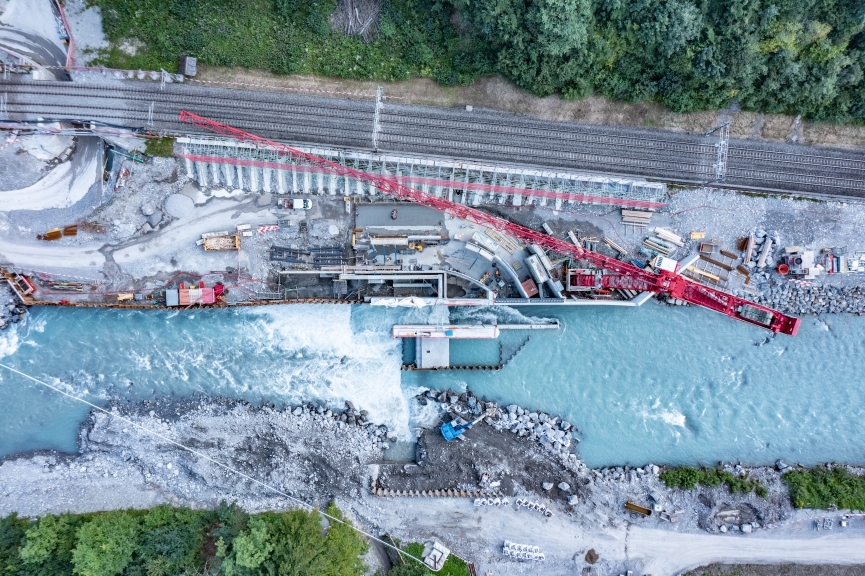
x,y
453,565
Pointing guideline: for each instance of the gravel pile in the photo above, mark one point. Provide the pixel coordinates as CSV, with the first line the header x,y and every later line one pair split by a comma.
x,y
10,309
797,299
308,452
551,432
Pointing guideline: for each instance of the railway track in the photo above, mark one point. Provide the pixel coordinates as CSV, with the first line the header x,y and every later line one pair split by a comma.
x,y
482,135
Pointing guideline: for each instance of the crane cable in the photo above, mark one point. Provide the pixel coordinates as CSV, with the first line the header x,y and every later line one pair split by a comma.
x,y
209,459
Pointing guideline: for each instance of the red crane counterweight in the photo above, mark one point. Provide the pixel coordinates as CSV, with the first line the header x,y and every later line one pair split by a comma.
x,y
626,275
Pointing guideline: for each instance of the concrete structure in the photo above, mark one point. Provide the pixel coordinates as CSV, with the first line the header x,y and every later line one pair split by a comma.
x,y
464,182
432,353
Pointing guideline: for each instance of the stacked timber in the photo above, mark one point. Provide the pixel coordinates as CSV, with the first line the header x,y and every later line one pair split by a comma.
x,y
670,237
613,245
659,246
638,218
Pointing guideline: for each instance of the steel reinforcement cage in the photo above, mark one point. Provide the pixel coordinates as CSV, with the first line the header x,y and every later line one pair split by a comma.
x,y
218,162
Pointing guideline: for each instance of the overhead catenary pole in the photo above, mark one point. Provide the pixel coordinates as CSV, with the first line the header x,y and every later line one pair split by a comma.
x,y
721,149
629,276
379,97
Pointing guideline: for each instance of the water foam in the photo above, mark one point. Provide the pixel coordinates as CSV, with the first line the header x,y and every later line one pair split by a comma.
x,y
668,415
492,315
316,355
9,342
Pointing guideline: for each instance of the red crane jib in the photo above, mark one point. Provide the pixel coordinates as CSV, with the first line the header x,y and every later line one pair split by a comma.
x,y
626,276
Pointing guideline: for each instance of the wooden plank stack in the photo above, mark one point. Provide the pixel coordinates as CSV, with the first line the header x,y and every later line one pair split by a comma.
x,y
636,218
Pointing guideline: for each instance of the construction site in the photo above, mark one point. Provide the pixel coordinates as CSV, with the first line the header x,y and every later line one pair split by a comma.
x,y
404,232
149,193
366,201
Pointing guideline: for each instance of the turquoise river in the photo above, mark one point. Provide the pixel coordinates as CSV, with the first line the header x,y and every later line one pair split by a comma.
x,y
653,384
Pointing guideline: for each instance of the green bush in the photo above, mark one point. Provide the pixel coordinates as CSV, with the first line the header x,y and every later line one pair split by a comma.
x,y
165,541
416,38
822,488
688,478
163,147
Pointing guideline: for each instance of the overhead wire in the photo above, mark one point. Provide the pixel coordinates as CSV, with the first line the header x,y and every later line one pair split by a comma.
x,y
211,460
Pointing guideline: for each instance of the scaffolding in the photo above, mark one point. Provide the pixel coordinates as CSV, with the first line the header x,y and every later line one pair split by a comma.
x,y
217,162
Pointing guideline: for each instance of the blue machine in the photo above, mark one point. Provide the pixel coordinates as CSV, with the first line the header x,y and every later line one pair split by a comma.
x,y
449,431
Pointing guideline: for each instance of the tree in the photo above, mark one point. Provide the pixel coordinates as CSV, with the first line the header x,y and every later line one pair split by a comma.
x,y
293,544
105,544
171,540
253,547
559,27
346,545
541,45
48,545
12,533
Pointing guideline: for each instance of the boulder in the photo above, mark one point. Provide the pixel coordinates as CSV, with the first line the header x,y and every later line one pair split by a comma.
x,y
564,486
547,486
573,500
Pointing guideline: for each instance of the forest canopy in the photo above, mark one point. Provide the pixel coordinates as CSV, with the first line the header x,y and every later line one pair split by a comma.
x,y
776,56
165,541
798,57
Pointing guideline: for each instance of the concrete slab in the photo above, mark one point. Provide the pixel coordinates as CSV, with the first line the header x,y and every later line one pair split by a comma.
x,y
408,217
432,353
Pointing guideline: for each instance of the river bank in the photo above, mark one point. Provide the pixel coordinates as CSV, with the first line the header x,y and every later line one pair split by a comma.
x,y
319,455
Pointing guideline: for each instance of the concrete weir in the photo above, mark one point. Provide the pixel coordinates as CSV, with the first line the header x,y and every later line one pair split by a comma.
x,y
432,342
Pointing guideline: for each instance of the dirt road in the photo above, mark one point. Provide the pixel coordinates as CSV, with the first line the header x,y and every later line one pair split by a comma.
x,y
664,552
